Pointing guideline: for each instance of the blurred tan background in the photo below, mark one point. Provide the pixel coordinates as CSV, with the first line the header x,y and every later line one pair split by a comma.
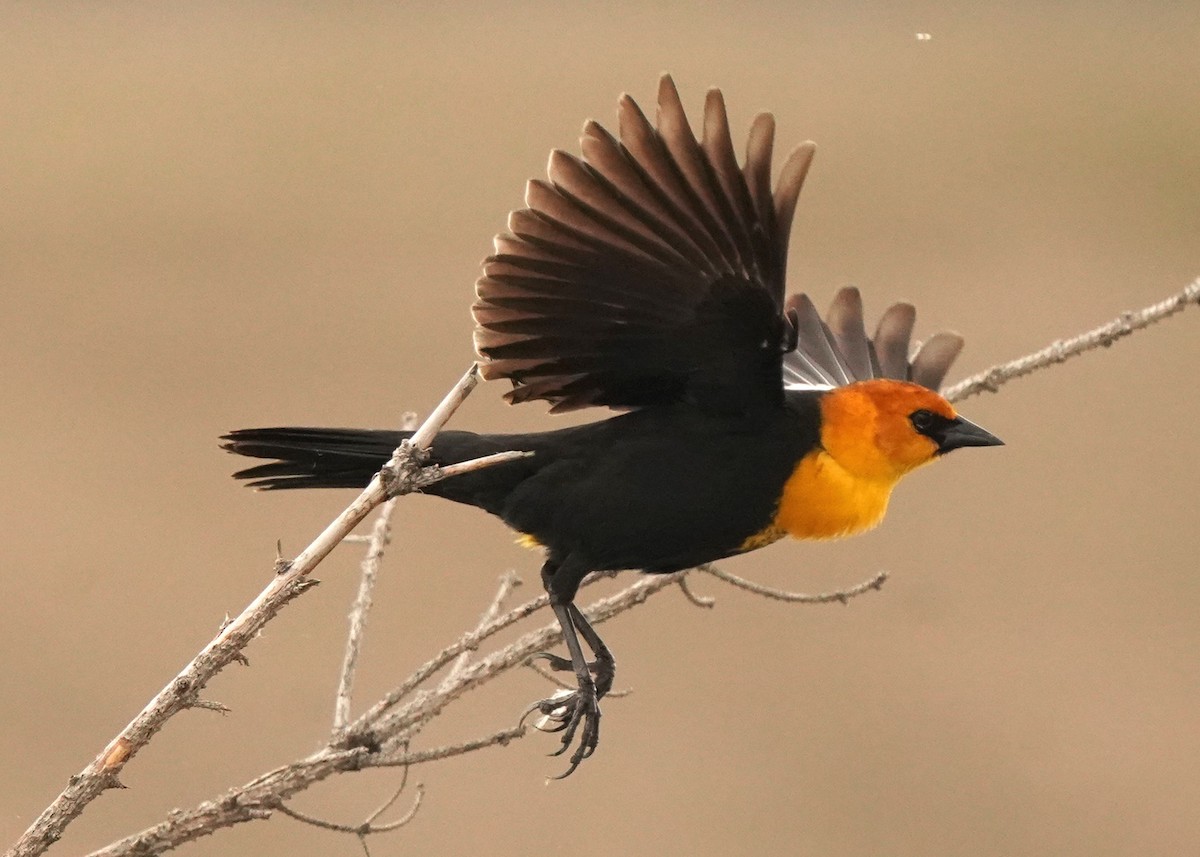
x,y
221,216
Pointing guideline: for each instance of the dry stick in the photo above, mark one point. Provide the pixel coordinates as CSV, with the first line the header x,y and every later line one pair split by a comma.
x,y
256,798
842,595
401,473
508,582
396,725
363,828
358,731
371,563
372,560
376,544
1064,349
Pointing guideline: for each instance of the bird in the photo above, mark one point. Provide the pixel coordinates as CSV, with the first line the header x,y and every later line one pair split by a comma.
x,y
647,276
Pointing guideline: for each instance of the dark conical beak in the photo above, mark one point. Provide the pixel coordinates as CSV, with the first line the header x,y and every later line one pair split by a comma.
x,y
962,432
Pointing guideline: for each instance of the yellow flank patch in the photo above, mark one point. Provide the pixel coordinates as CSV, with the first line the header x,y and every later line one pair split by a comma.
x,y
527,541
823,500
762,538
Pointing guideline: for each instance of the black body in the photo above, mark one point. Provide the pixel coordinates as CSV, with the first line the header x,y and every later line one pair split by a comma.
x,y
658,489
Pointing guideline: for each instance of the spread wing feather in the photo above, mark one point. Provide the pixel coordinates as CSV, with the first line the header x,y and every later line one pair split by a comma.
x,y
652,269
837,350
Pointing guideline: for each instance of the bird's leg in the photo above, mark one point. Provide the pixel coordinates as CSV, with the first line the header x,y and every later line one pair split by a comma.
x,y
579,709
603,668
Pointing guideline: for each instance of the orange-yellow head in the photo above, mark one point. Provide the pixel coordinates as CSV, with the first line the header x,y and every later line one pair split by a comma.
x,y
872,433
882,429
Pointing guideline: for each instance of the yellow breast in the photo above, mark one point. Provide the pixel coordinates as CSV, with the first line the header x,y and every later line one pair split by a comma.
x,y
823,500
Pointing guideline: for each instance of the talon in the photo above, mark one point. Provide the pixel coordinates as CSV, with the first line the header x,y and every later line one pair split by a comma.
x,y
553,710
576,714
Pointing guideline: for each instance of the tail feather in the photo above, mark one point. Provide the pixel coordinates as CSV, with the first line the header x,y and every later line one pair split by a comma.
x,y
312,457
348,458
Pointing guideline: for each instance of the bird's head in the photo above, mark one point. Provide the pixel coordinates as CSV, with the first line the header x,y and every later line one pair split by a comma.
x,y
882,429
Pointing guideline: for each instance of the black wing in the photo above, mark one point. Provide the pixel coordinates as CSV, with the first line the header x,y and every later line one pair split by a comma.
x,y
650,270
838,351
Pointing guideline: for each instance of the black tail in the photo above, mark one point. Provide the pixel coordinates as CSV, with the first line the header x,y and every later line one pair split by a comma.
x,y
313,457
348,458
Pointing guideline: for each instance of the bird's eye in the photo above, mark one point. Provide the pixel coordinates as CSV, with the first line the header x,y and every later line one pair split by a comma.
x,y
923,421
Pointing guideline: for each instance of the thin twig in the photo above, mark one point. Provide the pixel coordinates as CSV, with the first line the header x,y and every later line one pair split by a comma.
x,y
990,380
496,739
377,543
842,595
438,473
467,642
704,601
387,804
364,828
372,560
508,582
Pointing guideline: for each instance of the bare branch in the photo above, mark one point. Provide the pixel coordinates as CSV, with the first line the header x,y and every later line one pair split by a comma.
x,y
387,804
365,828
467,642
181,692
403,473
372,560
698,600
402,820
380,724
1103,336
437,473
842,595
508,582
496,739
434,423
258,798
210,705
377,542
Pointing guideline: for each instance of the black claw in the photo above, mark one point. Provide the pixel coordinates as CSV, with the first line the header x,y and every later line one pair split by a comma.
x,y
575,714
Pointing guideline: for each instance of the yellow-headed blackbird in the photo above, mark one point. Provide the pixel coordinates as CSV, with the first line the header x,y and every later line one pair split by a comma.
x,y
648,276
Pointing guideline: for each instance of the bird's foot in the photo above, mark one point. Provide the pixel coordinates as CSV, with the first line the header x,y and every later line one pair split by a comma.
x,y
571,712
